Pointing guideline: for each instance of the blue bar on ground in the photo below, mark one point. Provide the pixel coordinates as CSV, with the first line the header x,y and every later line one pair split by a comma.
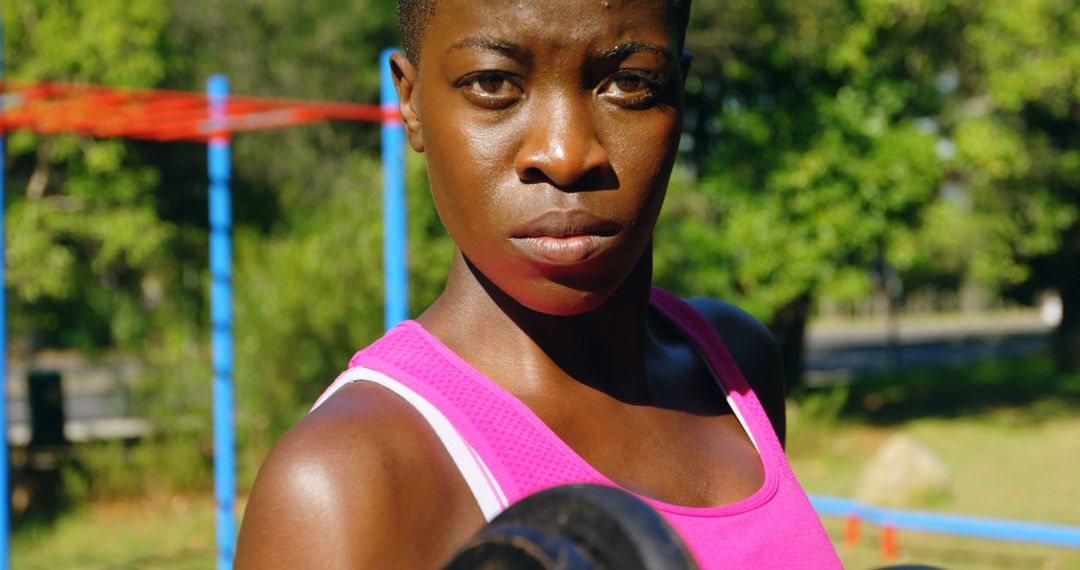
x,y
395,254
976,527
221,311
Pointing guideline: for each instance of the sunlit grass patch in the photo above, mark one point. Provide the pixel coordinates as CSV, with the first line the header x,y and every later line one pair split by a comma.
x,y
1006,429
174,533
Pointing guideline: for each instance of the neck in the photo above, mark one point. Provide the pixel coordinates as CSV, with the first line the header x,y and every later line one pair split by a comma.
x,y
527,352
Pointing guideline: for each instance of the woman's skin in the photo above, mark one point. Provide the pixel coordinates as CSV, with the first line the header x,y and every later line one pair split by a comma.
x,y
550,129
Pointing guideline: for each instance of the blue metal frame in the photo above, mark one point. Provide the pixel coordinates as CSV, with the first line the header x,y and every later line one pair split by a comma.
x,y
395,255
5,504
221,319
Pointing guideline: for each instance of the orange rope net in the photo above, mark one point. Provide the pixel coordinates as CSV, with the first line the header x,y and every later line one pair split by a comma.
x,y
160,115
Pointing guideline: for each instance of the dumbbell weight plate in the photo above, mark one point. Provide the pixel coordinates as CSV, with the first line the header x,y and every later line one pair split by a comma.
x,y
576,527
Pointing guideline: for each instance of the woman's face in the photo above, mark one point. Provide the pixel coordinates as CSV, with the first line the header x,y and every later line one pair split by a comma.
x,y
551,129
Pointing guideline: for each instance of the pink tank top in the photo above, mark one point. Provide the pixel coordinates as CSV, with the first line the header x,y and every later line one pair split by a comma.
x,y
506,452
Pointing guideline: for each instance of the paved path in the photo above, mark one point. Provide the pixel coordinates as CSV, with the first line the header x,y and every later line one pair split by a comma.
x,y
836,352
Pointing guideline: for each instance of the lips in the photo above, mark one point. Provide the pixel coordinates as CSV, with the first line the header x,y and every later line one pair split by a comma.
x,y
563,237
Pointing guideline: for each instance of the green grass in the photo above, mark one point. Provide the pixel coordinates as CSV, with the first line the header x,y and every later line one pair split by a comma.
x,y
166,534
1008,430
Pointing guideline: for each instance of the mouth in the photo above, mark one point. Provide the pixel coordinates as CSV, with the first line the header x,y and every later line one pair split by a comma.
x,y
563,237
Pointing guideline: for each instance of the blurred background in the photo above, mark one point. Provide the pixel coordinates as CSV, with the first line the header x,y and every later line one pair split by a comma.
x,y
893,186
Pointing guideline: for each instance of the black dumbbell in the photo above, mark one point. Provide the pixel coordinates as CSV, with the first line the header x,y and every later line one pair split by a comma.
x,y
576,527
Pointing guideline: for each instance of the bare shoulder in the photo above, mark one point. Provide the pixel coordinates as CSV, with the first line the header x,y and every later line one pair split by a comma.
x,y
361,482
754,350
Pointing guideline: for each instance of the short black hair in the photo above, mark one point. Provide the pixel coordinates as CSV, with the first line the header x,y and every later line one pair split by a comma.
x,y
414,15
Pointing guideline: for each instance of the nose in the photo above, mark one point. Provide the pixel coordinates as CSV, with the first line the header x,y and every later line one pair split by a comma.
x,y
560,145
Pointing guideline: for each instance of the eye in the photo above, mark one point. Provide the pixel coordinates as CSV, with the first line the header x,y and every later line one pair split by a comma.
x,y
630,84
633,88
489,89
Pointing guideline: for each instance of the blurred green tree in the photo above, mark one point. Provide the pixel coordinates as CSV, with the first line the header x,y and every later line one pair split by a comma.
x,y
824,138
309,284
829,139
1016,127
108,240
86,249
810,156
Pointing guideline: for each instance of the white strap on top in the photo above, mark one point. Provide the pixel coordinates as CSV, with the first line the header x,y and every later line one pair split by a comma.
x,y
485,489
738,415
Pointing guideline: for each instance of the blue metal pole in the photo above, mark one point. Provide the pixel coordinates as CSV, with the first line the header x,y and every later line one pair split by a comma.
x,y
395,255
221,319
5,503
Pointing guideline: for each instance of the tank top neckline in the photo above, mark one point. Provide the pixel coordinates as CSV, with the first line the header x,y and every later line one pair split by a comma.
x,y
720,366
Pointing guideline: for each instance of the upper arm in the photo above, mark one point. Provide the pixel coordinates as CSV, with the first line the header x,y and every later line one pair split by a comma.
x,y
360,483
755,351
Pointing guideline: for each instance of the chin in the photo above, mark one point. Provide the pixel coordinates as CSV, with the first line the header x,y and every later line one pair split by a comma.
x,y
557,297
555,291
565,303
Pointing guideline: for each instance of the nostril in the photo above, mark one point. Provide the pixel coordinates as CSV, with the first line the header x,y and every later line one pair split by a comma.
x,y
593,179
533,175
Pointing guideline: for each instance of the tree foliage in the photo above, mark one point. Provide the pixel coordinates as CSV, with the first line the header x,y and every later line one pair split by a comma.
x,y
823,139
829,138
86,244
811,154
1017,130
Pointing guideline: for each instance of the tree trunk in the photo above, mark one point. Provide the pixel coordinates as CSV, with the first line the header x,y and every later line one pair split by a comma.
x,y
1067,335
789,327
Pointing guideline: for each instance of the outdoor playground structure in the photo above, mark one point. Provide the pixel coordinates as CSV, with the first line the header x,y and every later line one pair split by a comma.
x,y
212,118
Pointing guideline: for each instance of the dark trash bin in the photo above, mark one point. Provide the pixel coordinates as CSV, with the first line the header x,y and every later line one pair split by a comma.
x,y
46,408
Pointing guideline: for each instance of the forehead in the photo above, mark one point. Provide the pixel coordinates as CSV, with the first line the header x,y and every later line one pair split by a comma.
x,y
555,24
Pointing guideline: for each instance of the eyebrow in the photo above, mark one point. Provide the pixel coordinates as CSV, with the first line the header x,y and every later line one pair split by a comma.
x,y
506,48
519,53
627,49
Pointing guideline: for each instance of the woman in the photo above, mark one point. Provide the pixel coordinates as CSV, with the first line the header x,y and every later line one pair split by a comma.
x,y
550,129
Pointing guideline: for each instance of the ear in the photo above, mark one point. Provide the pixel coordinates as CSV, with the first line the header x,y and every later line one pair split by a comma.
x,y
685,59
405,82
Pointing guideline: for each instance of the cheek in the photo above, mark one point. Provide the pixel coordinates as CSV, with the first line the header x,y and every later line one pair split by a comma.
x,y
643,150
468,161
458,181
642,155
